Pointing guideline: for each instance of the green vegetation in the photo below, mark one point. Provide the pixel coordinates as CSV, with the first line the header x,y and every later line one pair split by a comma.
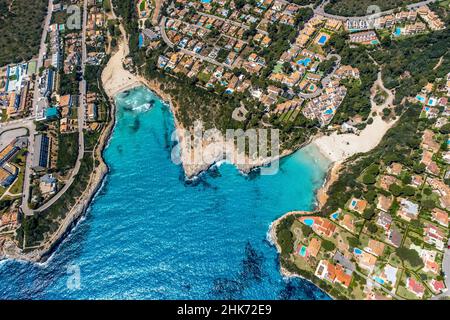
x,y
35,227
284,235
69,83
20,29
409,255
397,145
67,150
408,65
357,100
328,245
127,10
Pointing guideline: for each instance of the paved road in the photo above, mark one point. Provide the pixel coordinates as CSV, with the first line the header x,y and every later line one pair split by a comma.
x,y
376,284
320,11
81,120
8,136
42,52
29,123
162,26
235,23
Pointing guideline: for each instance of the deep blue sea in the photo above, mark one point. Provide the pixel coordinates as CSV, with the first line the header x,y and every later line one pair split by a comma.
x,y
149,234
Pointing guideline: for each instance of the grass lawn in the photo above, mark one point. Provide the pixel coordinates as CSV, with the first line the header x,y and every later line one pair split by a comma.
x,y
204,77
17,187
295,114
288,115
107,5
278,68
142,6
2,191
4,116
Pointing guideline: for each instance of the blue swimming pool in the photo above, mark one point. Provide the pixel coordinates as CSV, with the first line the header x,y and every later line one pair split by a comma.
x,y
328,111
420,98
353,203
206,1
302,251
335,215
322,40
379,280
308,222
141,40
304,61
397,32
357,251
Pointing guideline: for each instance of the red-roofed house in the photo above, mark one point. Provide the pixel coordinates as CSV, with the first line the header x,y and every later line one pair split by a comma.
x,y
440,216
321,226
415,287
437,286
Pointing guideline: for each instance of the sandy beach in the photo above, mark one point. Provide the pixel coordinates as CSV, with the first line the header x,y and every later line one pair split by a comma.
x,y
338,147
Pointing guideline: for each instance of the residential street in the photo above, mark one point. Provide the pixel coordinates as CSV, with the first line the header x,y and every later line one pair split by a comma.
x,y
29,124
81,120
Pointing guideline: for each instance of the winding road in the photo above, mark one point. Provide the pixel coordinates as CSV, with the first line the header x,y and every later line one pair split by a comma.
x,y
81,120
325,80
29,124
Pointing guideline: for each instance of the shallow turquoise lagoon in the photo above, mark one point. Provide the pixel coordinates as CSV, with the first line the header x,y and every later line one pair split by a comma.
x,y
151,235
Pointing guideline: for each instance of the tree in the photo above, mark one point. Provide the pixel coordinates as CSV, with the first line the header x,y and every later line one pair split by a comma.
x,y
328,245
395,189
372,227
306,230
284,238
369,178
445,129
406,179
408,191
353,242
370,196
409,255
428,204
368,213
419,168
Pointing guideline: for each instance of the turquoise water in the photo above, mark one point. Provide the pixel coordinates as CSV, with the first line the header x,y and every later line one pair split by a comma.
x,y
379,280
141,41
322,40
151,235
335,215
309,222
304,61
302,251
